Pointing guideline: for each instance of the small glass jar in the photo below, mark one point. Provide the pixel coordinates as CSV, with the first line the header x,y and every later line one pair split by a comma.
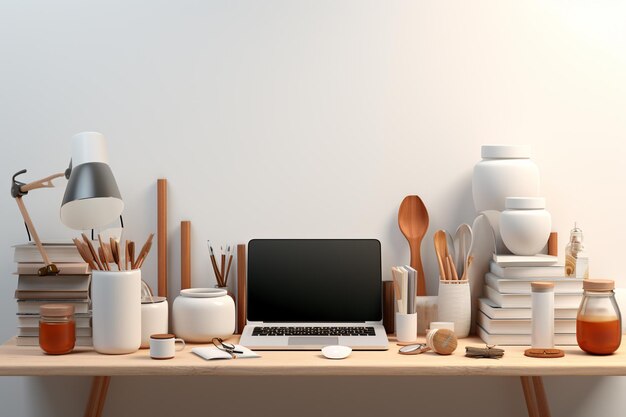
x,y
57,328
599,322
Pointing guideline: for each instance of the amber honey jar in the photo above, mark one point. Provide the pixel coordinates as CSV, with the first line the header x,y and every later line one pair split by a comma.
x,y
599,322
57,328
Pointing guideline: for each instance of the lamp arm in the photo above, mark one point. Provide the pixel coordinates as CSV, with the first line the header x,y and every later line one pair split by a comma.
x,y
42,183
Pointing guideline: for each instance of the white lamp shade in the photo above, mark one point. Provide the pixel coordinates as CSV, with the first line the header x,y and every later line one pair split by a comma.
x,y
92,198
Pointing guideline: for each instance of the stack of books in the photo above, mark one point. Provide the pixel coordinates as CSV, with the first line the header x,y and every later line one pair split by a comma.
x,y
504,316
71,286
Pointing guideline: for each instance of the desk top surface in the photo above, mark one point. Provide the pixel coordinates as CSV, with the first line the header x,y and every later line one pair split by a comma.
x,y
17,360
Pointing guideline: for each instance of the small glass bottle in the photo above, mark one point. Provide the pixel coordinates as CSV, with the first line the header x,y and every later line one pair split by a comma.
x,y
57,328
599,322
542,295
576,262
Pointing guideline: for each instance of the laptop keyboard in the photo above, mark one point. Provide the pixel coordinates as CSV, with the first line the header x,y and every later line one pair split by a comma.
x,y
313,331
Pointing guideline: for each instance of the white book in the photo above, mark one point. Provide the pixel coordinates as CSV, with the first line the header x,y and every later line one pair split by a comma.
x,y
57,252
34,341
492,311
521,326
518,260
32,306
553,271
34,331
32,320
522,285
560,339
525,301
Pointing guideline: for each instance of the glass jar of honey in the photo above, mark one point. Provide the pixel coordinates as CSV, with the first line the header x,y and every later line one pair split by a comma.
x,y
599,322
57,328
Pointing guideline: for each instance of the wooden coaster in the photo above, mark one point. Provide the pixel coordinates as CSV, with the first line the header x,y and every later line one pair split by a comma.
x,y
407,343
544,353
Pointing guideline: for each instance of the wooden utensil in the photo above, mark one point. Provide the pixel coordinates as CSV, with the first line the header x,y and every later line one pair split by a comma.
x,y
413,222
462,244
103,253
144,251
84,252
126,256
131,253
94,254
440,249
455,275
115,253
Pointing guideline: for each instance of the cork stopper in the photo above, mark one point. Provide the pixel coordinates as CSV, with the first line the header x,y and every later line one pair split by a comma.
x,y
598,285
538,286
56,310
442,341
162,336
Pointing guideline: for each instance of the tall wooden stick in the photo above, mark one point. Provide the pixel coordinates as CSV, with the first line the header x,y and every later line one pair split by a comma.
x,y
185,254
162,236
241,288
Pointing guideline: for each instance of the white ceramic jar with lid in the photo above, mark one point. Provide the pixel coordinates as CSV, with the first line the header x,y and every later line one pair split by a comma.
x,y
505,170
542,295
525,225
200,314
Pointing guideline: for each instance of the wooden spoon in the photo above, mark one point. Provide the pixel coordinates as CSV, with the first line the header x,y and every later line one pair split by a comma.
x,y
441,247
413,222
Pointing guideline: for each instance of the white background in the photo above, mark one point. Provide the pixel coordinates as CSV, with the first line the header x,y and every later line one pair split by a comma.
x,y
313,119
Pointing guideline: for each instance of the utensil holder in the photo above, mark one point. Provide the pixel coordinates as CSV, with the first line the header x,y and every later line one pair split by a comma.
x,y
406,327
455,305
116,315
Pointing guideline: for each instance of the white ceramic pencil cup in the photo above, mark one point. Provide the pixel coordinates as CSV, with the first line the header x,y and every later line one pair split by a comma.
x,y
406,327
455,305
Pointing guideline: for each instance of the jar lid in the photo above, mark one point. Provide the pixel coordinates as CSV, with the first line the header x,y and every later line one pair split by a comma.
x,y
598,284
505,151
203,292
538,286
525,203
153,300
162,336
56,310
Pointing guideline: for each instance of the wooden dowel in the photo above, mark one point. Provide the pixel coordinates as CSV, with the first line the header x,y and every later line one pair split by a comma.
x,y
162,236
185,254
553,244
33,231
241,287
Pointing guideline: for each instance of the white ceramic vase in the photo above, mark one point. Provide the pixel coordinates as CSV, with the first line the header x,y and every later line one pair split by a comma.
x,y
200,314
504,171
455,305
116,311
154,318
525,225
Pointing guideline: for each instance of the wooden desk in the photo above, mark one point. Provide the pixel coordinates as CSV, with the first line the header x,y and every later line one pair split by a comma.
x,y
30,361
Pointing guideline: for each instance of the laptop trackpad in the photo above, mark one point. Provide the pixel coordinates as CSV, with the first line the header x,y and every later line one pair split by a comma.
x,y
313,341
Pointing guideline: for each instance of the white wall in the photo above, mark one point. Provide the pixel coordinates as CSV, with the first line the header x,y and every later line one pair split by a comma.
x,y
313,119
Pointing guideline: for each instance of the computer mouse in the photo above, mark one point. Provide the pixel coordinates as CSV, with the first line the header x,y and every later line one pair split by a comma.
x,y
336,352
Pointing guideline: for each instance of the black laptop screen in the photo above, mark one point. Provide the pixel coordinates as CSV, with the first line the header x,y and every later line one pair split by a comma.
x,y
314,280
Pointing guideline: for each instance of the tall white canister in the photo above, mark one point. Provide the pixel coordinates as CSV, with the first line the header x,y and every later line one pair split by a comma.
x,y
505,171
542,336
116,311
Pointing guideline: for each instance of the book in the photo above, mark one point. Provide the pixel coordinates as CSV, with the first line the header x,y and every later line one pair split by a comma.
x,y
32,320
524,300
65,268
34,331
53,283
562,339
57,252
519,260
34,341
552,271
522,285
32,306
492,311
521,326
51,295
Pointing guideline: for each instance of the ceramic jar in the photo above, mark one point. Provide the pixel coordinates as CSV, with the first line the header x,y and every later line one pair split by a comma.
x,y
154,318
505,170
525,225
200,314
116,311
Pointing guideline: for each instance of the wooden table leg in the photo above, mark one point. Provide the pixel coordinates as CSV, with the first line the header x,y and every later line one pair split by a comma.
x,y
540,396
98,395
529,396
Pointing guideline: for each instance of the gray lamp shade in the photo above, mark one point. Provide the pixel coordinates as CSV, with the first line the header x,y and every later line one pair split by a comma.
x,y
92,198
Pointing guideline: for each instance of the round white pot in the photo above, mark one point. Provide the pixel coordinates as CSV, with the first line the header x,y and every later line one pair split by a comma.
x,y
525,225
200,314
504,171
154,319
116,311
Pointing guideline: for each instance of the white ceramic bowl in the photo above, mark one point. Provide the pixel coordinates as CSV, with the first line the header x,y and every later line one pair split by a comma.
x,y
200,314
525,225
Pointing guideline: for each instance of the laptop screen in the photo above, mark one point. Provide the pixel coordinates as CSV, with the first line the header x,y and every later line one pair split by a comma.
x,y
314,280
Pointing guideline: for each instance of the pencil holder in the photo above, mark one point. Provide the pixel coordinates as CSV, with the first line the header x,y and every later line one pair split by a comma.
x,y
406,327
116,311
455,305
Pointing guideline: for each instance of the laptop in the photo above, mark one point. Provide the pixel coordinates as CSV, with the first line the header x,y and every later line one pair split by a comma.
x,y
304,294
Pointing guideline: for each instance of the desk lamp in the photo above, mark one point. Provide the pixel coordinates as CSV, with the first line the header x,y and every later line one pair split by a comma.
x,y
92,198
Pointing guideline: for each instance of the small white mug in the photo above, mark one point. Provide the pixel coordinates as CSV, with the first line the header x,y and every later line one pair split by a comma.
x,y
162,346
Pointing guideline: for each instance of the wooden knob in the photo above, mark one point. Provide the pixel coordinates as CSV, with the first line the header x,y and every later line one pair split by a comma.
x,y
442,341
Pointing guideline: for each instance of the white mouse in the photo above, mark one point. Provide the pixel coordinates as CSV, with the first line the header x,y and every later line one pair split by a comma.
x,y
336,352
